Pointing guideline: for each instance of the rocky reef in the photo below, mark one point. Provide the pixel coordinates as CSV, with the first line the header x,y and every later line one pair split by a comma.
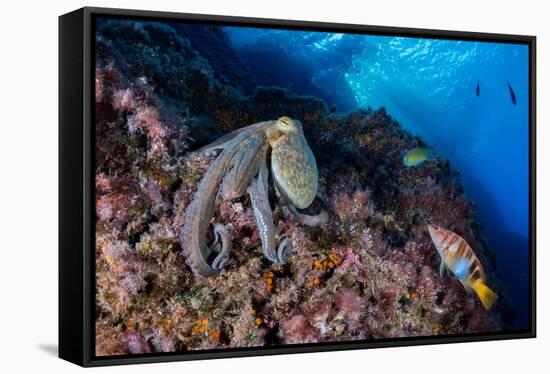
x,y
371,272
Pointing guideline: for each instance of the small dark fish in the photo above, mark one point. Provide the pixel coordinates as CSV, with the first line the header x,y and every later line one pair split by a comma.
x,y
333,109
477,88
512,94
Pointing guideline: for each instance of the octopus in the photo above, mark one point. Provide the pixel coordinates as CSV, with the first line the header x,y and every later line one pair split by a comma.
x,y
241,166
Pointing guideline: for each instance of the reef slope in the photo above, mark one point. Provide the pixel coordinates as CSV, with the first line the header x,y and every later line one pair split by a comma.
x,y
372,272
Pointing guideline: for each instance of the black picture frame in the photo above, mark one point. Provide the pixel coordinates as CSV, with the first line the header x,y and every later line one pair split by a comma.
x,y
76,186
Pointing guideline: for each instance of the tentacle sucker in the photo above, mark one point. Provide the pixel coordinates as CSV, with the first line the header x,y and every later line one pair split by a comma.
x,y
221,245
284,250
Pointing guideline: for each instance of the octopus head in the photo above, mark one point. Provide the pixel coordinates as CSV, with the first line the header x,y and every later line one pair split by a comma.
x,y
287,125
293,165
282,129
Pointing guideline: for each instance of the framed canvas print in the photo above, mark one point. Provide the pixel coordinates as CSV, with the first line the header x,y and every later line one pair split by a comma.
x,y
235,186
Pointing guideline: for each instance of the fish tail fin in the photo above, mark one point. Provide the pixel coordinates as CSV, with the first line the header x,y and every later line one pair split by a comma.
x,y
485,294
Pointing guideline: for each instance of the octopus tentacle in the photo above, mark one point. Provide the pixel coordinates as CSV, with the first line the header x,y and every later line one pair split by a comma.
x,y
215,147
199,213
290,210
244,166
284,250
222,245
305,219
258,191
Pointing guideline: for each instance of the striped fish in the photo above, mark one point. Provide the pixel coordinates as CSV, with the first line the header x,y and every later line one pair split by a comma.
x,y
459,258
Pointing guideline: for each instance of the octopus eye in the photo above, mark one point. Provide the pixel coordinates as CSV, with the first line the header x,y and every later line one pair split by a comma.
x,y
285,121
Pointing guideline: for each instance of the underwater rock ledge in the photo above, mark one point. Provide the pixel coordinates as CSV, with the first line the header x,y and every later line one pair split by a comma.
x,y
371,272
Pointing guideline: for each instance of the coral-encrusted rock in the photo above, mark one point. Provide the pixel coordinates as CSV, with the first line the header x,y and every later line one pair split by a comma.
x,y
213,44
136,343
299,330
371,272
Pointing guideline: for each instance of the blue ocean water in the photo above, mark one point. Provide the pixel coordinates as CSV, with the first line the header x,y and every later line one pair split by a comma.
x,y
429,87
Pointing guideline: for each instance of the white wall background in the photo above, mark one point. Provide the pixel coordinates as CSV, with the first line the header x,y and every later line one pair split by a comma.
x,y
28,184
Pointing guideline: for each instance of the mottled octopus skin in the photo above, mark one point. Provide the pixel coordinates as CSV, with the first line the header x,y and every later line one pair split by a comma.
x,y
241,166
294,169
